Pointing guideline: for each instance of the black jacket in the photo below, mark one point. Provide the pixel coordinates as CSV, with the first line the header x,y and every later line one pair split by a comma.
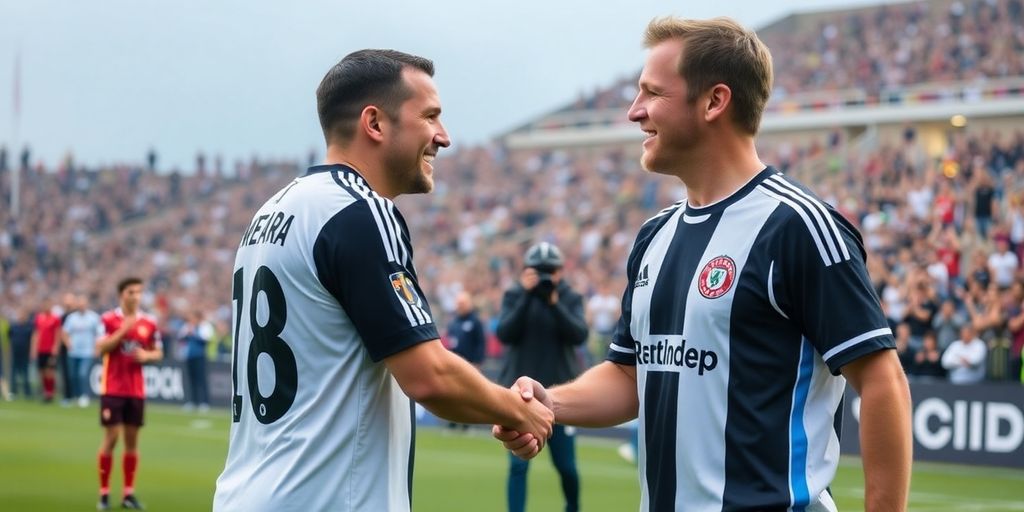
x,y
466,333
541,337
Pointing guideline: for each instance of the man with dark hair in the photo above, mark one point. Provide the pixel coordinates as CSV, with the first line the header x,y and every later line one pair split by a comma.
x,y
45,347
326,292
748,307
132,339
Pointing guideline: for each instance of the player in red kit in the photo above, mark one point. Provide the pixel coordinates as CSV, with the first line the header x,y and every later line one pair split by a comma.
x,y
44,347
132,339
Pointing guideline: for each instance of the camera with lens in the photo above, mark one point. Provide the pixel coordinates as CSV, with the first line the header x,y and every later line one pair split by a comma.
x,y
546,281
546,259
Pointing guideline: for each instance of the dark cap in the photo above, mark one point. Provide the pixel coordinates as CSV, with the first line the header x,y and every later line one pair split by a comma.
x,y
544,256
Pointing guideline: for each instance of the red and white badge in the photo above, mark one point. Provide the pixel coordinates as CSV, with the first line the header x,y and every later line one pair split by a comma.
x,y
716,277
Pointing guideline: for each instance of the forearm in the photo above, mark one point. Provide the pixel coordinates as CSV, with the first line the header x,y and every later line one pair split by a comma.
x,y
604,396
460,393
152,356
108,343
886,445
453,389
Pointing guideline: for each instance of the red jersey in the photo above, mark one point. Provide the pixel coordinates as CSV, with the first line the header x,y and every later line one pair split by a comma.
x,y
122,375
951,258
47,327
944,208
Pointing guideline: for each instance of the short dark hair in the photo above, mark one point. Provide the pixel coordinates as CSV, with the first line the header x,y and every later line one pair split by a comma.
x,y
126,282
364,77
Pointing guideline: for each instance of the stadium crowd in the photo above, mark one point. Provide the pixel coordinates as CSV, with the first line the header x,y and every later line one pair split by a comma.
x,y
945,236
878,49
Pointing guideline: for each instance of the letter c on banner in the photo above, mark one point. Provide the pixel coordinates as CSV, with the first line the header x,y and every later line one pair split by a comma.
x,y
925,411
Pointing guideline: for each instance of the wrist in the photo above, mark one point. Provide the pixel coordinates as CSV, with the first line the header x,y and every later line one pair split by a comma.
x,y
555,404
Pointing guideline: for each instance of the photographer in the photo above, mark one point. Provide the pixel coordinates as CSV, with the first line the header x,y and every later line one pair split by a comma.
x,y
542,323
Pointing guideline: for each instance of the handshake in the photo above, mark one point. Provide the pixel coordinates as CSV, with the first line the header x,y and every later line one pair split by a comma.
x,y
528,439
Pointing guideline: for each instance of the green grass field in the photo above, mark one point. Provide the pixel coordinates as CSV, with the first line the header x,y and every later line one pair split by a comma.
x,y
48,459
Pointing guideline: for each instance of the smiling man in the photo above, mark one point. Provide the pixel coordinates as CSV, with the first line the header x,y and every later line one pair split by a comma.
x,y
748,309
333,335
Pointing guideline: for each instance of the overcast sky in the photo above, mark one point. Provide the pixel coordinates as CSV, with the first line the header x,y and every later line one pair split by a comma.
x,y
108,79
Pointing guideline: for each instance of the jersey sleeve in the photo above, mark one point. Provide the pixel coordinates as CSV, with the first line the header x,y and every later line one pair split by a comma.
x,y
359,260
826,288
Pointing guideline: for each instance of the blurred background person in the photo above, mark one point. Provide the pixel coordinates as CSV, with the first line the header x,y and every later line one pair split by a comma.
x,y
45,339
965,358
602,316
946,324
20,334
1015,326
542,323
132,339
196,333
466,337
81,328
928,361
67,381
905,352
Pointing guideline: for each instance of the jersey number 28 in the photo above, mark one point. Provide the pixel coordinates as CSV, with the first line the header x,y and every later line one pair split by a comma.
x,y
266,339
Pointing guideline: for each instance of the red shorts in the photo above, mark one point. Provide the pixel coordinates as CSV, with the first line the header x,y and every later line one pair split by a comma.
x,y
117,410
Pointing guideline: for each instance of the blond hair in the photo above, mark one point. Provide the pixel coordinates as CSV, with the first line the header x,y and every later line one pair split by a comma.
x,y
720,51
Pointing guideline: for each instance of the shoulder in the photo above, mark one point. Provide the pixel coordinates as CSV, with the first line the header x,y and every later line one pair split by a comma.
x,y
653,224
515,291
350,232
803,220
148,317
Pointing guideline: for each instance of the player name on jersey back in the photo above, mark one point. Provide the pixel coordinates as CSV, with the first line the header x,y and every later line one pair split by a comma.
x,y
270,228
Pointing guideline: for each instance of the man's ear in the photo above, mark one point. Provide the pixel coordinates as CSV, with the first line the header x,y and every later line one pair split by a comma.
x,y
718,100
371,122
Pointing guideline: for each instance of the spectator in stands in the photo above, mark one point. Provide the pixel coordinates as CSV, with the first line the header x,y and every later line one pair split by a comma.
x,y
984,197
985,310
920,309
928,361
81,328
1003,264
1015,326
542,322
903,348
965,358
947,323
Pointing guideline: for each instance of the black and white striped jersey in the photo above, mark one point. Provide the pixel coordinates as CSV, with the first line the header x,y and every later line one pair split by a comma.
x,y
324,289
739,316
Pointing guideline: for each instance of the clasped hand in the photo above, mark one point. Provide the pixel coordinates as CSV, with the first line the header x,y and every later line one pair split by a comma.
x,y
526,444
